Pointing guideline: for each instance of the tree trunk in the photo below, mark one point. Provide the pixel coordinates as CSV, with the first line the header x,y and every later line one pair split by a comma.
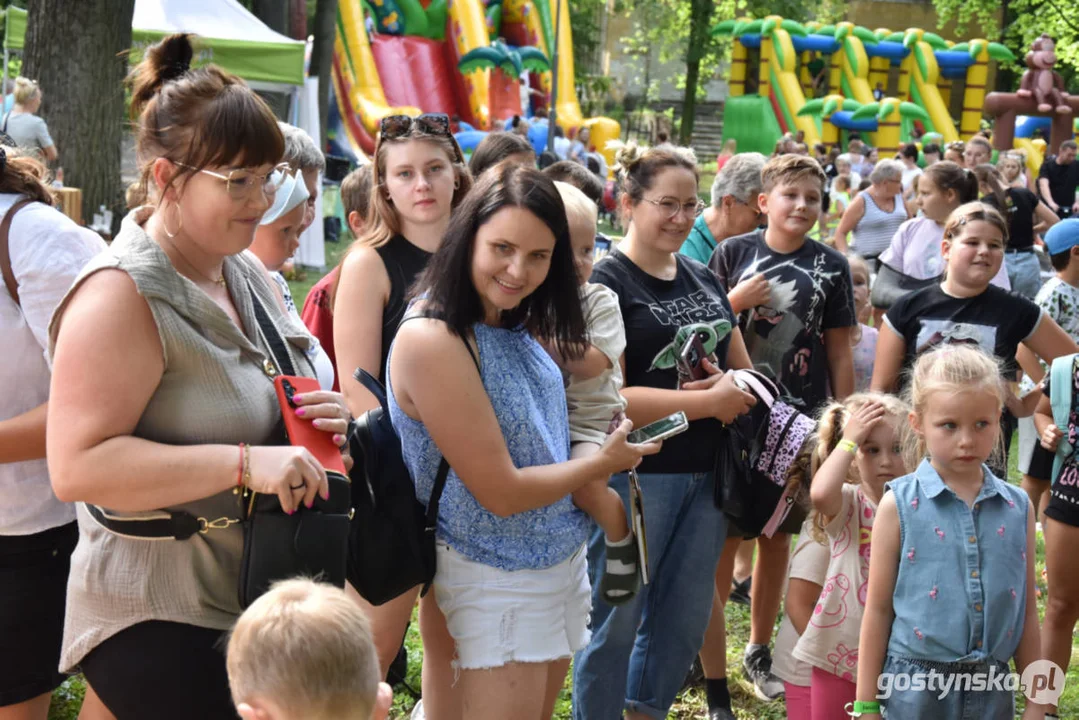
x,y
701,12
298,20
322,59
275,13
80,66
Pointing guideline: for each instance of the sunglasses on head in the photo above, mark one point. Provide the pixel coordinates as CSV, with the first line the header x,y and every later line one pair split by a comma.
x,y
393,127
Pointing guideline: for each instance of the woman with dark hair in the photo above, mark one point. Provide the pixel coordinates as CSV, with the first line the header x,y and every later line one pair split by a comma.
x,y
499,146
643,648
1023,211
43,254
163,385
511,577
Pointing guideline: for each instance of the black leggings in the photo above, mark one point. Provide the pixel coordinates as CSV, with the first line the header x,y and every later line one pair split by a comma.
x,y
162,670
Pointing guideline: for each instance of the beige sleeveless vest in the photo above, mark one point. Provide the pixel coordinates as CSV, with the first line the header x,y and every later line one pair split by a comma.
x,y
214,390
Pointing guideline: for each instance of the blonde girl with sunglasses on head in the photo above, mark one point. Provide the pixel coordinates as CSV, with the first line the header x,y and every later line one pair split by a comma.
x,y
418,178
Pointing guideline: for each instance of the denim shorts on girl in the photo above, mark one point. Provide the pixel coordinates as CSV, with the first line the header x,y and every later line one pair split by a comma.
x,y
918,689
497,617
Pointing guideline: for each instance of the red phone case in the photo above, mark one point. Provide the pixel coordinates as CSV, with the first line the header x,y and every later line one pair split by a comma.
x,y
300,430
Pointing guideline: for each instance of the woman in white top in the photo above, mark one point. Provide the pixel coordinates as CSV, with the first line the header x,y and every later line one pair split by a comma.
x,y
43,253
276,240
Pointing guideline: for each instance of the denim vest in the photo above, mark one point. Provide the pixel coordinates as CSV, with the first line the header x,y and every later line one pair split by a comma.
x,y
960,593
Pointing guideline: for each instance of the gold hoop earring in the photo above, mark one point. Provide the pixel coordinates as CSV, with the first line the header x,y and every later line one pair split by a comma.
x,y
165,225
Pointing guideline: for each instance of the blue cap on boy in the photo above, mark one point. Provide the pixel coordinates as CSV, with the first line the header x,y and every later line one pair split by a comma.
x,y
1063,236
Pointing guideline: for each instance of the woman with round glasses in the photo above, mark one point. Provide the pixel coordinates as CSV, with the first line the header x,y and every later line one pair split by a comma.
x,y
163,406
641,650
419,176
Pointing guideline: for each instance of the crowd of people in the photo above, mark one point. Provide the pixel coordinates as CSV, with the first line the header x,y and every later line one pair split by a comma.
x,y
515,369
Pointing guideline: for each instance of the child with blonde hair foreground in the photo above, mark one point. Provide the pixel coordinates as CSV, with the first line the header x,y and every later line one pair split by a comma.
x,y
304,650
951,583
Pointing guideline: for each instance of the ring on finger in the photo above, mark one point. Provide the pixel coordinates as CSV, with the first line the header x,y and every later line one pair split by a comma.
x,y
301,486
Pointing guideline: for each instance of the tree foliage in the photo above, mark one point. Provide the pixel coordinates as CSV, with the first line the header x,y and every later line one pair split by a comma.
x,y
1017,23
671,31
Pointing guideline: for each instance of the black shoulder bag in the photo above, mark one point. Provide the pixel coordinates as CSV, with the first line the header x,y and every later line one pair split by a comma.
x,y
392,540
312,542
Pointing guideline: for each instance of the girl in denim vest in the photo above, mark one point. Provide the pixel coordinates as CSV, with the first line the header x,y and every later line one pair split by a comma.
x,y
951,584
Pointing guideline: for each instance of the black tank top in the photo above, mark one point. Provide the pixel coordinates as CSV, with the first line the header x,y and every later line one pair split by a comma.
x,y
404,262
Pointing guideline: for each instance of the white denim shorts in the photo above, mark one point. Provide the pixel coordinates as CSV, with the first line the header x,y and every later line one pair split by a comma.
x,y
497,617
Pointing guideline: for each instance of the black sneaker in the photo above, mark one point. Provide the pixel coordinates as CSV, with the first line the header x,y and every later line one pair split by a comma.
x,y
740,591
758,669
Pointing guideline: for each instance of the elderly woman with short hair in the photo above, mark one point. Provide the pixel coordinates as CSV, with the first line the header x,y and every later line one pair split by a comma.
x,y
875,214
733,210
304,157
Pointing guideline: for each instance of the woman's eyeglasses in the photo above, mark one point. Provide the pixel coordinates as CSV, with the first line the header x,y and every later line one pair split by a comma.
x,y
241,183
670,207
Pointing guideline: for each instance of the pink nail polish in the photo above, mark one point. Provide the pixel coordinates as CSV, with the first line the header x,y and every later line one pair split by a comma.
x,y
297,398
310,504
290,512
326,495
300,412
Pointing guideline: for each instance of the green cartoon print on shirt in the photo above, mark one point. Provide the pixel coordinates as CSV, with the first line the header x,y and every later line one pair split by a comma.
x,y
711,334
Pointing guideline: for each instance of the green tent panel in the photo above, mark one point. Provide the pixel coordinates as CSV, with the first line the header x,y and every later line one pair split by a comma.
x,y
14,28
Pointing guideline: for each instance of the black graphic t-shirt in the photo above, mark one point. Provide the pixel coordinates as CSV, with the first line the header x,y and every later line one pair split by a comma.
x,y
660,316
996,321
811,292
1018,210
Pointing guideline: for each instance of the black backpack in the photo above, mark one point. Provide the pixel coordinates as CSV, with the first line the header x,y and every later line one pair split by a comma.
x,y
755,454
392,536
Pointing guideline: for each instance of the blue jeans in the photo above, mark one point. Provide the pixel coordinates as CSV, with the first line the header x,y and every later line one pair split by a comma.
x,y
1024,273
641,651
963,704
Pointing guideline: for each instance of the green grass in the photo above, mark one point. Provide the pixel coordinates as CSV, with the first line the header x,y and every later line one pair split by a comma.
x,y
690,703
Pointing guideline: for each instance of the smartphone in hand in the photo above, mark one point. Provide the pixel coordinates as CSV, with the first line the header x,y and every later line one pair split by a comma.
x,y
661,429
691,359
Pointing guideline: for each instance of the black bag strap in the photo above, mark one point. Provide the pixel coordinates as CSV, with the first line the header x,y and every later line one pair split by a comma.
x,y
7,117
431,520
165,525
272,336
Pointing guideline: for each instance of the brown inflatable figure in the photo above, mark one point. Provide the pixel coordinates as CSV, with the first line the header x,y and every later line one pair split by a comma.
x,y
1046,86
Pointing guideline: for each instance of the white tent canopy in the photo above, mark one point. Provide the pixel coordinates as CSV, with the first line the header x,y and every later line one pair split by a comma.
x,y
228,35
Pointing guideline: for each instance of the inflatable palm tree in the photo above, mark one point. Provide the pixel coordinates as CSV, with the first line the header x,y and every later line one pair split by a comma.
x,y
889,113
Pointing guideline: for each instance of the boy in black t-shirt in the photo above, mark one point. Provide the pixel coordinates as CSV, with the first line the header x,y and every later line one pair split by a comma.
x,y
801,335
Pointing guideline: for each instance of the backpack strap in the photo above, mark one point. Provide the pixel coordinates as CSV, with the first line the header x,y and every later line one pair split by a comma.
x,y
1060,397
431,521
5,256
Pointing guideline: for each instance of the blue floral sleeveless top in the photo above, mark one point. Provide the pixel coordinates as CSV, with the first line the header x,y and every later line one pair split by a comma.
x,y
526,391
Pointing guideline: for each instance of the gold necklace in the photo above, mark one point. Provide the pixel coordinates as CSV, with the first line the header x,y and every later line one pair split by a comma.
x,y
216,281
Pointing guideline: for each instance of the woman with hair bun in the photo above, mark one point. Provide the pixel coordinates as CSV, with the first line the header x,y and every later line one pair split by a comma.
x,y
641,650
24,126
43,253
163,385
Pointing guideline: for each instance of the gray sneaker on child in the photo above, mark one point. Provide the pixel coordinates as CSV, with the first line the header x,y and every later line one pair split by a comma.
x,y
758,668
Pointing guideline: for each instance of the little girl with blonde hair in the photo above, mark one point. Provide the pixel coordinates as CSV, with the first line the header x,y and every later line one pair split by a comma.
x,y
858,452
951,586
